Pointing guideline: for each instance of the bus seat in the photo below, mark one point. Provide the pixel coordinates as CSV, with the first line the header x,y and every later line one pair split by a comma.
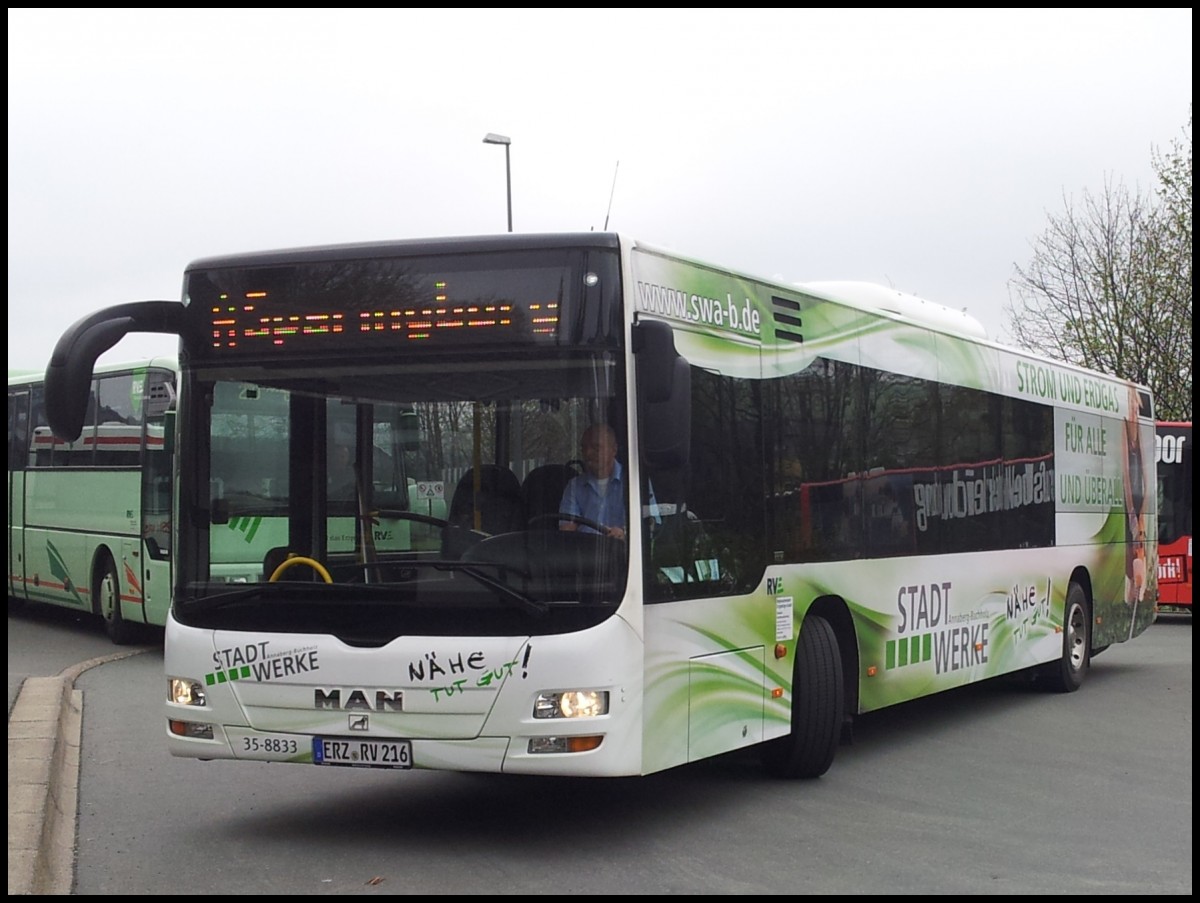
x,y
542,491
498,502
273,559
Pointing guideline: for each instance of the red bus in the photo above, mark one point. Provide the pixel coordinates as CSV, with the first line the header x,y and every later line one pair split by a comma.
x,y
1173,462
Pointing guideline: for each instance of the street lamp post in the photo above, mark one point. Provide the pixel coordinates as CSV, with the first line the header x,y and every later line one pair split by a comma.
x,y
493,138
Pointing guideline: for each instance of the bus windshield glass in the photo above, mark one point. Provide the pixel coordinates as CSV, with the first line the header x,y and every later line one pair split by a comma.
x,y
407,476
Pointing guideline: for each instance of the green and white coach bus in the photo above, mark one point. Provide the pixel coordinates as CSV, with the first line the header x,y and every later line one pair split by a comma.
x,y
835,498
89,520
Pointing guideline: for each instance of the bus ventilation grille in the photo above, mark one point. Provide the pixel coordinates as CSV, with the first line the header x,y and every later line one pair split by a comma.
x,y
787,319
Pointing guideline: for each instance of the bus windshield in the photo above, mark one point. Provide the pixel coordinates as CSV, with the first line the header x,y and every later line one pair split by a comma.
x,y
415,485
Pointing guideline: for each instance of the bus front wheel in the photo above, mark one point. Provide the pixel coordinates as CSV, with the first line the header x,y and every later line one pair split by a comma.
x,y
107,593
818,706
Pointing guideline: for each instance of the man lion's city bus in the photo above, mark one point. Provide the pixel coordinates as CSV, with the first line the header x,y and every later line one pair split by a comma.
x,y
1173,457
89,521
838,498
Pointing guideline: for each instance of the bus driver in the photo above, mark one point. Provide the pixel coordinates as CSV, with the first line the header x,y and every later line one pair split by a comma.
x,y
598,494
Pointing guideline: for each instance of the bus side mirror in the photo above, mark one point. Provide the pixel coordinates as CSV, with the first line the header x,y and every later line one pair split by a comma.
x,y
69,373
664,392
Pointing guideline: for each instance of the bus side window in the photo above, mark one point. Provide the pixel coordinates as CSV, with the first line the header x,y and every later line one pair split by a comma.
x,y
41,439
18,430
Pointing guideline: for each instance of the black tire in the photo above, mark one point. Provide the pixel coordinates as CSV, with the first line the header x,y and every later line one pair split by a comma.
x,y
818,706
107,595
1066,675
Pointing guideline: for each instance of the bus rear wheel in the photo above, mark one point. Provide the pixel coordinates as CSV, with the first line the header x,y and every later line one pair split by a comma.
x,y
1066,675
818,706
107,593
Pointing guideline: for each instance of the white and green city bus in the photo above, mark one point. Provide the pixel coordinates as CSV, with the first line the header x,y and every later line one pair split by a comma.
x,y
838,500
89,520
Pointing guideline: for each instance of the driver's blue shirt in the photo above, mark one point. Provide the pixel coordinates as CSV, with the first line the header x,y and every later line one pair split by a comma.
x,y
585,498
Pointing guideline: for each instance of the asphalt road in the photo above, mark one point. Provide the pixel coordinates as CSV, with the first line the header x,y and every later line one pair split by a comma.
x,y
993,789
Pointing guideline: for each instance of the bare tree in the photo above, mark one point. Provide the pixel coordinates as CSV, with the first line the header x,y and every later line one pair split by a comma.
x,y
1174,290
1174,171
1109,286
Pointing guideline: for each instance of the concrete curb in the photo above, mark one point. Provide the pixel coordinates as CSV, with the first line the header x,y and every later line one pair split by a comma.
x,y
44,733
43,771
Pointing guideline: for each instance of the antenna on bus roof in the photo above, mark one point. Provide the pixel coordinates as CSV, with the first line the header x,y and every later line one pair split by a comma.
x,y
610,195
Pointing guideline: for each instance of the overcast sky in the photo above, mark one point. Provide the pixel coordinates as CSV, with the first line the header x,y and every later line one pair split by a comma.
x,y
919,149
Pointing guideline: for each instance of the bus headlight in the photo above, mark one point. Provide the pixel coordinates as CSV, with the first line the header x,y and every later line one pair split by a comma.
x,y
571,704
185,691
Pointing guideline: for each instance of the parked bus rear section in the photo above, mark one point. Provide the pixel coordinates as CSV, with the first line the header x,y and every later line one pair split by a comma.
x,y
831,504
89,520
1173,459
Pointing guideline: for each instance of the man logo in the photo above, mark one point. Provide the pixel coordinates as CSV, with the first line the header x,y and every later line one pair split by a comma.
x,y
359,700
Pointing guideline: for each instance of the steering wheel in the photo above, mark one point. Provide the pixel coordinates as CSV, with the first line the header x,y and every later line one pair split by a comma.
x,y
573,518
295,560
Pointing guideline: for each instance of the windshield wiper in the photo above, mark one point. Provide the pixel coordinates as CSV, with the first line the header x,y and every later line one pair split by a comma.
x,y
305,591
318,592
503,590
472,569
